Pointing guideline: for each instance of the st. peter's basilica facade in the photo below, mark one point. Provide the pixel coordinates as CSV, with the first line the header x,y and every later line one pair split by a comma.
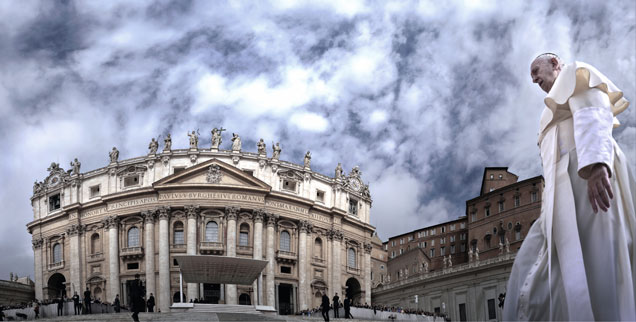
x,y
97,229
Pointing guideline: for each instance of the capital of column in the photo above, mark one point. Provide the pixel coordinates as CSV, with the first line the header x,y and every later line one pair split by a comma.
x,y
335,234
231,212
111,222
163,212
37,243
75,230
192,211
367,248
259,215
272,219
149,216
305,226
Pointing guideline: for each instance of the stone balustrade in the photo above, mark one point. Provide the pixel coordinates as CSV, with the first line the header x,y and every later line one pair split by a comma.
x,y
58,265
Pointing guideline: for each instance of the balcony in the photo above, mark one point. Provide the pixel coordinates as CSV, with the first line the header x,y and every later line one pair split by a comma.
x,y
58,265
244,250
213,248
353,270
132,252
178,248
95,257
319,261
286,257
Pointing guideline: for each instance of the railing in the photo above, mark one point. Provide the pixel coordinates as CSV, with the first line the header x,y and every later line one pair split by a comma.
x,y
318,260
283,253
353,270
286,257
178,247
208,247
95,257
132,252
57,265
244,249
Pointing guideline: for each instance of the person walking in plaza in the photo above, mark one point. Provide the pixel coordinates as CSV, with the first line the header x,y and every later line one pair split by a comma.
x,y
87,301
117,304
60,306
77,307
347,308
336,306
151,303
136,298
578,260
325,307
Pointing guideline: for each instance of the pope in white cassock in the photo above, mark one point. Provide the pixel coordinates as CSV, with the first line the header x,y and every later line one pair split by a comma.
x,y
578,261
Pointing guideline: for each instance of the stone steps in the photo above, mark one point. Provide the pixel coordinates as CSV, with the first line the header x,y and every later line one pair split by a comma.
x,y
165,317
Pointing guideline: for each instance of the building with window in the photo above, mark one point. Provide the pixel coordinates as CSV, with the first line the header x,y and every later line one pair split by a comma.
x,y
463,265
99,228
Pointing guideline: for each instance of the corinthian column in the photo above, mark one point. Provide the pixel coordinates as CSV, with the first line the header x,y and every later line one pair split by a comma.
x,y
271,291
75,270
258,251
149,219
191,245
302,265
164,259
231,214
112,224
37,254
337,238
367,272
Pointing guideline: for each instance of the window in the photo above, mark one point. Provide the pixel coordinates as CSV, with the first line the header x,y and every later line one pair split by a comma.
x,y
462,312
500,176
57,253
433,231
492,313
517,235
462,247
393,254
442,251
533,196
131,181
351,258
96,246
492,176
353,207
452,239
285,269
443,229
424,244
320,196
452,227
452,249
487,240
473,217
432,242
94,191
132,266
133,237
318,248
285,241
462,236
401,241
411,238
178,233
401,251
176,170
442,240
393,243
516,200
501,206
244,235
289,185
432,252
487,211
54,202
462,225
212,232
249,171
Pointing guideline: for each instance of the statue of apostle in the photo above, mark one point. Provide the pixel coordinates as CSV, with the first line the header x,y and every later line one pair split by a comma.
x,y
261,147
277,149
114,155
339,171
194,140
307,160
216,137
236,143
167,143
153,146
76,166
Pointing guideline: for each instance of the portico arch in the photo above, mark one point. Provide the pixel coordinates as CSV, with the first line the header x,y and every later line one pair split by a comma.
x,y
56,286
354,291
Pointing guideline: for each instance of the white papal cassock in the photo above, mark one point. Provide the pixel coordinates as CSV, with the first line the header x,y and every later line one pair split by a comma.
x,y
574,264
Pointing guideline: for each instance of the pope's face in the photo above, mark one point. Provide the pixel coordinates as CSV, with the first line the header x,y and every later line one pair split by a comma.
x,y
544,72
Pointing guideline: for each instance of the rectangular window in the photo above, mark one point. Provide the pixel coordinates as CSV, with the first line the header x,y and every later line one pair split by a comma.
x,y
462,225
452,227
492,313
393,243
94,191
518,235
243,239
411,238
401,251
131,181
178,237
424,244
401,241
443,229
54,202
442,240
442,251
132,266
452,249
320,196
176,170
462,247
473,216
393,254
501,206
462,312
433,231
487,211
533,196
285,269
517,201
289,185
452,239
432,252
353,207
432,242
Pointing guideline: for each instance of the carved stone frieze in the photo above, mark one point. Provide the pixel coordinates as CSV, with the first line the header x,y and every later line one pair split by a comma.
x,y
231,212
305,226
335,234
37,243
192,211
214,174
149,216
74,230
272,219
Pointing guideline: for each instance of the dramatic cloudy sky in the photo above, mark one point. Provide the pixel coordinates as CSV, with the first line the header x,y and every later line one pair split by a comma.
x,y
421,95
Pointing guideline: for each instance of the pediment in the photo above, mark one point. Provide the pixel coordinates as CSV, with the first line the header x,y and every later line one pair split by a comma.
x,y
213,172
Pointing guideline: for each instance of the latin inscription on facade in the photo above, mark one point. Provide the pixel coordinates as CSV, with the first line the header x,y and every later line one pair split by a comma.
x,y
211,195
131,203
93,212
286,206
319,218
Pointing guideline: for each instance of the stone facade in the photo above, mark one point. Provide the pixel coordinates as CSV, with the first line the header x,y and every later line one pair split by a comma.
x,y
16,291
98,229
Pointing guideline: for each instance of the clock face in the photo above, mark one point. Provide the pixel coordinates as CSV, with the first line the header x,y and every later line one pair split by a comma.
x,y
355,184
54,180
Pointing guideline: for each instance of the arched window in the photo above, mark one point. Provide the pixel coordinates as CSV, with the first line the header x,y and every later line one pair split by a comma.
x,y
57,253
285,241
96,246
318,248
212,231
244,235
133,237
178,233
351,258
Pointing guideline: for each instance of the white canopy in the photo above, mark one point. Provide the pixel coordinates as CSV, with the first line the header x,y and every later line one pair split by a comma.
x,y
219,269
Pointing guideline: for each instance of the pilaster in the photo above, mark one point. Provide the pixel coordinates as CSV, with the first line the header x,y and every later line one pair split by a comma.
x,y
271,288
258,250
37,254
112,224
74,231
367,272
302,265
336,236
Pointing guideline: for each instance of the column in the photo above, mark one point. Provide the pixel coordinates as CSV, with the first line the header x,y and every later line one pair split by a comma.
x,y
302,265
310,246
164,259
149,220
75,271
112,224
192,212
367,272
337,238
271,288
37,254
329,258
231,214
258,252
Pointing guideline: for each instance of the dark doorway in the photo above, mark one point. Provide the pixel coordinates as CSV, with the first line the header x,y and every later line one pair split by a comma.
x,y
56,286
353,290
285,299
176,298
211,293
127,291
244,299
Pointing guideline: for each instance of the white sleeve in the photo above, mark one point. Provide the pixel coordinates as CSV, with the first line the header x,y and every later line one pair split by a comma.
x,y
593,122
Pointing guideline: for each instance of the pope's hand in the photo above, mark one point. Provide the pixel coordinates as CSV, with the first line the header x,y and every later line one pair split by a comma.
x,y
599,188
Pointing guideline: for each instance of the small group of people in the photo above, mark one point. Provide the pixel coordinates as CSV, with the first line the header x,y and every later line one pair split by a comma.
x,y
325,306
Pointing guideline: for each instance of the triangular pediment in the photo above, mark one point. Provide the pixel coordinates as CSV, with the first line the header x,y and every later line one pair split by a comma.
x,y
213,172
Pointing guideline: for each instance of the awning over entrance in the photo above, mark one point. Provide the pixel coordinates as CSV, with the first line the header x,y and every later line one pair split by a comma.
x,y
219,269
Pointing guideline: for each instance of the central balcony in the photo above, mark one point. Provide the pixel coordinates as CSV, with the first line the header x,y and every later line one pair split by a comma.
x,y
319,261
95,257
353,270
58,265
213,248
286,257
244,250
178,248
132,252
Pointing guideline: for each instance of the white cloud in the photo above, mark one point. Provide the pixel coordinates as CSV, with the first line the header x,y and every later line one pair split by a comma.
x,y
308,121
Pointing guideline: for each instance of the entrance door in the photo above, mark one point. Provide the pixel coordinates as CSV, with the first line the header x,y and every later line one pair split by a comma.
x,y
211,293
285,299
